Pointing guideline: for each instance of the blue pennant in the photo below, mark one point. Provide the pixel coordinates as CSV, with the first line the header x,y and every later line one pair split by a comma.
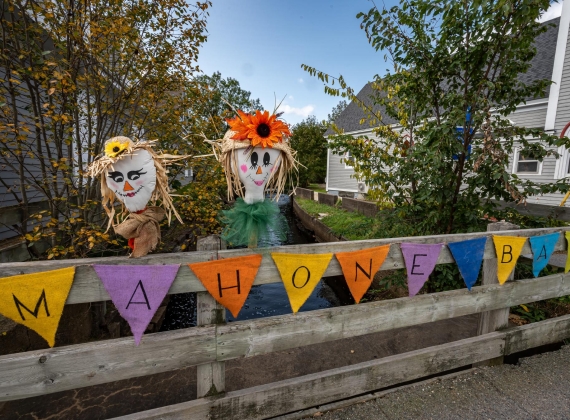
x,y
468,256
542,248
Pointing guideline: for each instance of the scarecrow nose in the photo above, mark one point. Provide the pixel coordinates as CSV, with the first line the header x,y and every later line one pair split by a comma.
x,y
128,187
259,170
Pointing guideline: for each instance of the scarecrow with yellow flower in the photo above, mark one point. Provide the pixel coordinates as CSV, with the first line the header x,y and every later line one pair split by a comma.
x,y
135,174
256,156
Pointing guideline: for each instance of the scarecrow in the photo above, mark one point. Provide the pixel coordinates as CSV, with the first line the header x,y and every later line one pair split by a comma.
x,y
256,157
135,174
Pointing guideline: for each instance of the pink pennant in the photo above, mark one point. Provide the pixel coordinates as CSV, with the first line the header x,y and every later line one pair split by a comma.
x,y
137,291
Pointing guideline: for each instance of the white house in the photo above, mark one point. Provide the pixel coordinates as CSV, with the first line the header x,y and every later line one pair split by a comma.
x,y
551,113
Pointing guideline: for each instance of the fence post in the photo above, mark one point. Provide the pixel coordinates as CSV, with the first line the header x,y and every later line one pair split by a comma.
x,y
211,376
499,318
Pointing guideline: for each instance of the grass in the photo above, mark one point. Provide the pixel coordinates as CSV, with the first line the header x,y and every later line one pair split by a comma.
x,y
317,188
352,226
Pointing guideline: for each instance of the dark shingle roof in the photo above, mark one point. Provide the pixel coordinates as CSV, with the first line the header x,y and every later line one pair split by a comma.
x,y
541,68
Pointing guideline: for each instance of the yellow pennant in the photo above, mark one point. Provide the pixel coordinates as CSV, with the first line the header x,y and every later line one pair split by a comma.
x,y
37,300
508,250
300,274
567,234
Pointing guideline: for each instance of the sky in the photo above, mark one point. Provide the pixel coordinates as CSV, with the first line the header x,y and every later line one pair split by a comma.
x,y
262,44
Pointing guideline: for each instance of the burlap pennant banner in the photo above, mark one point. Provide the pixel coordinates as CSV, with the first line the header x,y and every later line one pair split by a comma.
x,y
137,291
420,261
542,249
300,274
567,267
359,268
468,256
508,250
229,280
37,300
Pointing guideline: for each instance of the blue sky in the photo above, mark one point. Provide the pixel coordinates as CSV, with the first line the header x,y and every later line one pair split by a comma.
x,y
262,44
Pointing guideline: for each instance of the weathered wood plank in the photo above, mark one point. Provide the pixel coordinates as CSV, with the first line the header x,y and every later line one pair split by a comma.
x,y
499,318
537,334
211,377
317,389
261,336
88,288
42,372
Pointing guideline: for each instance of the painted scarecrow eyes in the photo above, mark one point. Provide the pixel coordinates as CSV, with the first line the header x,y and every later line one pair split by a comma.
x,y
266,159
133,175
254,160
117,176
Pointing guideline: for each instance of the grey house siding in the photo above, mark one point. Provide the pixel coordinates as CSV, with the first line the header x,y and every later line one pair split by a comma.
x,y
563,109
340,178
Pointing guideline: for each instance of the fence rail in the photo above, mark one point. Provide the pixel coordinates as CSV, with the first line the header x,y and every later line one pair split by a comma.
x,y
42,372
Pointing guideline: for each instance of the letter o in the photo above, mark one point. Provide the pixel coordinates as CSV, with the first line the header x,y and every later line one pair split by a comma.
x,y
306,281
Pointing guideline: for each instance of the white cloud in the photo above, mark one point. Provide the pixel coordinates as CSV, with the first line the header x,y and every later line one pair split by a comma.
x,y
554,11
303,112
291,97
300,80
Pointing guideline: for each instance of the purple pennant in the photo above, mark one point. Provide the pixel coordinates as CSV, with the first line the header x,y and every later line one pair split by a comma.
x,y
420,261
137,291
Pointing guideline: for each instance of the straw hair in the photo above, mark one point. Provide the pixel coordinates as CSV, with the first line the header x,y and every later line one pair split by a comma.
x,y
102,165
278,179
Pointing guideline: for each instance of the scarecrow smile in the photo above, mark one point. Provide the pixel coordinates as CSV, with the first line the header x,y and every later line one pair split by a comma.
x,y
128,194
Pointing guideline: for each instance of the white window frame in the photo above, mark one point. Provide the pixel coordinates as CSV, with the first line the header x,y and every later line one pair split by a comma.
x,y
561,168
516,162
347,156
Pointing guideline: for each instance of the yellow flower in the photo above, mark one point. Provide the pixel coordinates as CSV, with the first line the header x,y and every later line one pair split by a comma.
x,y
114,148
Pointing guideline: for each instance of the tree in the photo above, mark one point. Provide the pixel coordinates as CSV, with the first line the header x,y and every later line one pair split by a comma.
x,y
336,111
224,97
308,140
75,74
455,80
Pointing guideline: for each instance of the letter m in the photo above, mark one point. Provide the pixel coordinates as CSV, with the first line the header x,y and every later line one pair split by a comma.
x,y
20,305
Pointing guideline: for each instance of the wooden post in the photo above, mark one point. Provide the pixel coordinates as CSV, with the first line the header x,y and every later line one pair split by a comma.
x,y
499,318
211,376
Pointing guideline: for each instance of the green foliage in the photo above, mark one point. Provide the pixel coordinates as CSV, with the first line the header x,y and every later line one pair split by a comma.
x,y
445,277
336,111
529,313
454,83
307,138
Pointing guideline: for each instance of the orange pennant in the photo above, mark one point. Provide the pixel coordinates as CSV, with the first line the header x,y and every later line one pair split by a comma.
x,y
228,281
359,268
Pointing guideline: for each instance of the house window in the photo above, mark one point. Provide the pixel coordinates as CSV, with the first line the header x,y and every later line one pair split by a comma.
x,y
348,160
527,164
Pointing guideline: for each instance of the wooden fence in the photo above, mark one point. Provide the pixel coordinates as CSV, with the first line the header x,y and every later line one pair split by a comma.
x,y
208,346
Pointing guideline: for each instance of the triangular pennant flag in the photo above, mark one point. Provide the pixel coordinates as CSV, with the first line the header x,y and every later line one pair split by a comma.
x,y
468,256
359,268
137,291
300,274
508,250
420,261
567,267
229,280
37,300
542,249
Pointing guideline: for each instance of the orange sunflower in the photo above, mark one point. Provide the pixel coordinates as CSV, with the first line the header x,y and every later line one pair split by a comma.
x,y
261,128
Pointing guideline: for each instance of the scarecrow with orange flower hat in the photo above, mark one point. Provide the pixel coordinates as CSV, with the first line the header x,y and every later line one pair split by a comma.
x,y
256,156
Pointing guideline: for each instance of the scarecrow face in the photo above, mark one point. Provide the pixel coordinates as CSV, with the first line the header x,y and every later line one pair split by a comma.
x,y
133,179
254,170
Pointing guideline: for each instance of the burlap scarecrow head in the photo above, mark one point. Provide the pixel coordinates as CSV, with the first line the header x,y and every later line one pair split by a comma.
x,y
135,174
256,155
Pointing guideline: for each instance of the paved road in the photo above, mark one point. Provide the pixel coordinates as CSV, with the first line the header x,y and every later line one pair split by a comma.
x,y
537,388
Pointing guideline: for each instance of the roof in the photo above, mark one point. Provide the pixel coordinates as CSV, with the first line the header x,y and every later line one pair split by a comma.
x,y
541,68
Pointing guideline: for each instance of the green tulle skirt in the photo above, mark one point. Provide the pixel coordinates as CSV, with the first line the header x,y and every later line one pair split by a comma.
x,y
253,224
